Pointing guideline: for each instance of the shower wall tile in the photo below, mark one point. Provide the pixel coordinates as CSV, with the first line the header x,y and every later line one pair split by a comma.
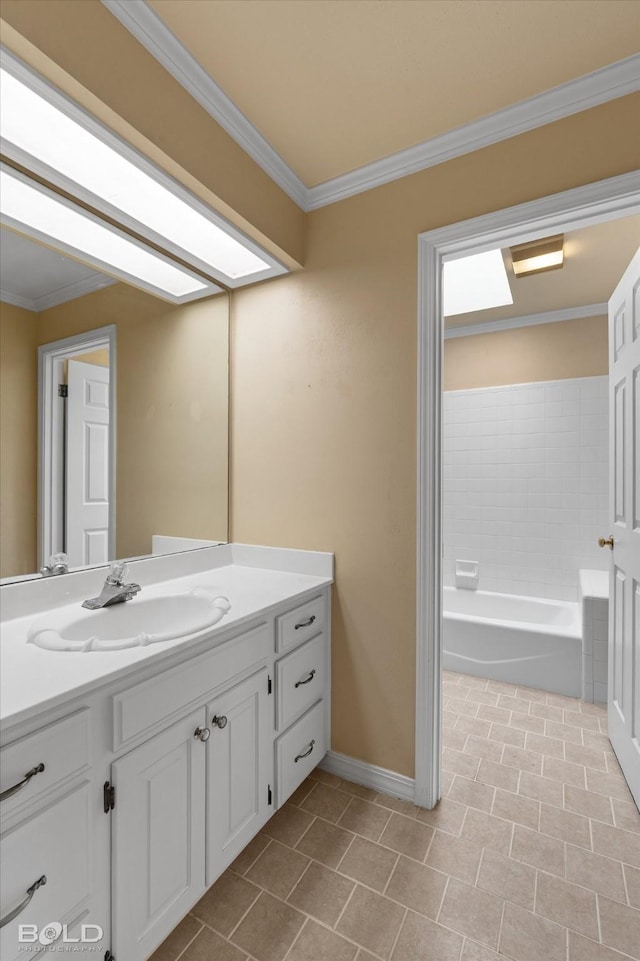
x,y
526,484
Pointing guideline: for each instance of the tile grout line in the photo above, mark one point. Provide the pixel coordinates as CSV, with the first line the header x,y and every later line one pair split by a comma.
x,y
286,900
400,927
264,850
188,945
236,926
392,872
444,894
348,848
295,940
344,908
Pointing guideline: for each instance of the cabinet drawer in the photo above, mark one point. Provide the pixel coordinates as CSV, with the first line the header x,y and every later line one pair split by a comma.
x,y
300,624
54,844
299,750
139,708
64,750
299,680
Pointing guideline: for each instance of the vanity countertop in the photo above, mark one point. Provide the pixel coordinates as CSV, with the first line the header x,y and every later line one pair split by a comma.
x,y
255,580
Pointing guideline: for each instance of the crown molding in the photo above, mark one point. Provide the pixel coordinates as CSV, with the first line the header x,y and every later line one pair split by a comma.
x,y
60,296
608,83
16,300
527,320
147,27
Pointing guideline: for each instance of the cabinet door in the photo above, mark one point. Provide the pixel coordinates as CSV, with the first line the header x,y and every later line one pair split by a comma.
x,y
239,770
158,837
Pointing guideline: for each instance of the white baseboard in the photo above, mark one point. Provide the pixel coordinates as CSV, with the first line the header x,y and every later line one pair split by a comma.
x,y
369,775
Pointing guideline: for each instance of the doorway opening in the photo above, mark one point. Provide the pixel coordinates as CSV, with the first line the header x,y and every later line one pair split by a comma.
x,y
76,448
572,210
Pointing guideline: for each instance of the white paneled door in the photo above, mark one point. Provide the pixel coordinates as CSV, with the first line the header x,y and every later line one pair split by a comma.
x,y
624,496
87,464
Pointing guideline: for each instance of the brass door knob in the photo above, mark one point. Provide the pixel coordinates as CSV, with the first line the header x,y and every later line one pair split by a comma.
x,y
606,542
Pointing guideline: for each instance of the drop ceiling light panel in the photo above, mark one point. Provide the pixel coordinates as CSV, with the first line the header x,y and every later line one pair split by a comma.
x,y
52,136
474,283
39,213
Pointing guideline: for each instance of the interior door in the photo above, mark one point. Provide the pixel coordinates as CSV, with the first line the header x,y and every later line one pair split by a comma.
x,y
624,497
87,464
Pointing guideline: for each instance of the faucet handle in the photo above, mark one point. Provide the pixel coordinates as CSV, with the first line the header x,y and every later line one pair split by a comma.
x,y
57,564
118,571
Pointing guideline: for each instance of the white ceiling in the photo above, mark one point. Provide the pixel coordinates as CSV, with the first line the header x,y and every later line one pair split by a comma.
x,y
36,277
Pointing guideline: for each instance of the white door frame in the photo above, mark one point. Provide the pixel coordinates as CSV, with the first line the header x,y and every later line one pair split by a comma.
x,y
51,358
573,209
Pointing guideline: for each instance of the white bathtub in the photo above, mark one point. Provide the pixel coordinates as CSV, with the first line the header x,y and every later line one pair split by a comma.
x,y
522,640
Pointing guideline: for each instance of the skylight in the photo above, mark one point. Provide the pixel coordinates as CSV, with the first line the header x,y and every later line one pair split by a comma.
x,y
39,213
475,283
42,129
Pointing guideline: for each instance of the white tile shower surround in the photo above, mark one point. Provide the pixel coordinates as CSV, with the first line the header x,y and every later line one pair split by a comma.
x,y
533,854
526,484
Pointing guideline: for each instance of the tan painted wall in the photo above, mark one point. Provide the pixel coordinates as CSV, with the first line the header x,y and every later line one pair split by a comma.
x,y
324,401
112,75
18,440
172,410
573,348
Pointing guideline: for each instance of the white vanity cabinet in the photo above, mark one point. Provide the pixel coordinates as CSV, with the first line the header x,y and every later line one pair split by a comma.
x,y
188,800
152,785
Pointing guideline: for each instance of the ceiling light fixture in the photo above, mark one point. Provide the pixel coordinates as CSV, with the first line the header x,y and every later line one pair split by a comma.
x,y
538,256
39,213
477,282
50,135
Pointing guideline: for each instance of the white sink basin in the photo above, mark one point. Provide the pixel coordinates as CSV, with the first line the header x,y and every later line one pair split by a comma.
x,y
133,623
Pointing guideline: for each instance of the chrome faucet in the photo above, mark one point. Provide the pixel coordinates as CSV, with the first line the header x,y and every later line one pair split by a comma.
x,y
114,589
57,564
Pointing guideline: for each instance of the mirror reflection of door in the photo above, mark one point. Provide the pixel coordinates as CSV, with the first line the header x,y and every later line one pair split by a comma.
x,y
76,440
86,466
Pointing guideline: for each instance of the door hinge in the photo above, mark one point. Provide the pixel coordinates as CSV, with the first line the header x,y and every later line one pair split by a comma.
x,y
269,795
63,390
109,957
269,684
108,796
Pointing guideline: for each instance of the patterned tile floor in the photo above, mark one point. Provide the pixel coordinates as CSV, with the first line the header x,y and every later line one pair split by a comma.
x,y
533,854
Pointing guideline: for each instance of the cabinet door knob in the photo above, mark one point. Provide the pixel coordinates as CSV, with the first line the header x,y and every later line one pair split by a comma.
x,y
606,542
219,721
202,733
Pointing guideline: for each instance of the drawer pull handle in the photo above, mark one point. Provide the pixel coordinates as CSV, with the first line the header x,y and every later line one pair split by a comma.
x,y
306,753
307,679
38,769
202,733
306,623
25,901
219,721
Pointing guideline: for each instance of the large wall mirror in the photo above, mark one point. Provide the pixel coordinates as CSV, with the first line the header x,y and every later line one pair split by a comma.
x,y
114,414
